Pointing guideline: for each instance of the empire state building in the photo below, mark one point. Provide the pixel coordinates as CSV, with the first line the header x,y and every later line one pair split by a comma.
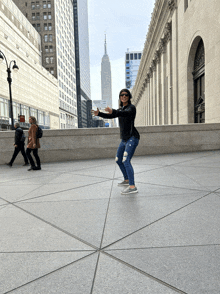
x,y
106,79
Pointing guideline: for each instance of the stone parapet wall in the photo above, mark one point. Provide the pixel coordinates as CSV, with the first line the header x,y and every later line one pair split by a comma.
x,y
78,144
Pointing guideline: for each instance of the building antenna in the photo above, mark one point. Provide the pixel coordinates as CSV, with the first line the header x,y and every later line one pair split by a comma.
x,y
105,45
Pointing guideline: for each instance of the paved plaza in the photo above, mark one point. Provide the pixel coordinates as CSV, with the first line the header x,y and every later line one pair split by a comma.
x,y
67,229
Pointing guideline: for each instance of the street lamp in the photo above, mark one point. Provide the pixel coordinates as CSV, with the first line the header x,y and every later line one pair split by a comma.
x,y
9,79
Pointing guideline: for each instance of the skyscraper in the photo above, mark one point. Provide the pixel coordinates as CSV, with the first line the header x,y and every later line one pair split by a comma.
x,y
132,62
54,21
81,33
106,79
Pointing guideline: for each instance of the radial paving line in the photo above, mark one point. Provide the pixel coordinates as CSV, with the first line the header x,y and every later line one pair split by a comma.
x,y
54,226
93,282
144,273
58,269
53,193
102,249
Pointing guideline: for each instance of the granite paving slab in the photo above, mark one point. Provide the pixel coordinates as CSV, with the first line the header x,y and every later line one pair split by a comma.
x,y
75,278
169,177
95,191
18,269
195,224
72,182
145,190
2,202
11,194
114,277
21,231
191,269
106,172
84,219
128,214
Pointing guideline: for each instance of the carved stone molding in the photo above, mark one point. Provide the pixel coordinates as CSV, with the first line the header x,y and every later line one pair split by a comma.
x,y
157,56
167,32
172,4
162,47
153,66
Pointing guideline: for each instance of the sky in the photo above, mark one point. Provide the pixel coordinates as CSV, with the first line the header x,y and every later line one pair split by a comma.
x,y
126,25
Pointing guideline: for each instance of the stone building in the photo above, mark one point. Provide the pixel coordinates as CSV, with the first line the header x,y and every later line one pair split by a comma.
x,y
53,19
178,81
34,89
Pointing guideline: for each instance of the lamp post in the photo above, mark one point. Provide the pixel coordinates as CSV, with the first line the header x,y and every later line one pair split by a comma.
x,y
9,79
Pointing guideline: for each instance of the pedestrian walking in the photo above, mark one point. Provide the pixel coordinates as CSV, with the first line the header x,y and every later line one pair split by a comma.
x,y
129,135
19,145
33,144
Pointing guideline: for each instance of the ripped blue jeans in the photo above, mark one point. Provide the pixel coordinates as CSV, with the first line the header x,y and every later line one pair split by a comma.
x,y
125,152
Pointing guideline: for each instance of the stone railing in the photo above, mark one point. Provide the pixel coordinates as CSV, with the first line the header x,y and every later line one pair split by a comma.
x,y
78,144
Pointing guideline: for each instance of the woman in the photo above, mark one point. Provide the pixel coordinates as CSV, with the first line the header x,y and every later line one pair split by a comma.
x,y
33,144
129,135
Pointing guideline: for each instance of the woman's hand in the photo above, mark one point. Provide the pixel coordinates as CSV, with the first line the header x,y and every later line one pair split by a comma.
x,y
95,112
109,110
34,145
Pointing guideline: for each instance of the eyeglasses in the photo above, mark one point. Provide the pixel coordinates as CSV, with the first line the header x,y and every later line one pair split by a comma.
x,y
126,95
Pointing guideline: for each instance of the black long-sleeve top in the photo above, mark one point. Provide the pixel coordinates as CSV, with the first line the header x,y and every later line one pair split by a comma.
x,y
18,135
126,116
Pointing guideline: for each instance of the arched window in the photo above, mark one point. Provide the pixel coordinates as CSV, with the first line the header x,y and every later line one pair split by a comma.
x,y
199,83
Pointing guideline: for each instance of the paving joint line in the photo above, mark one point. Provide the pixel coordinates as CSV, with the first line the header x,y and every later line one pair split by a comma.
x,y
144,273
158,220
58,269
103,232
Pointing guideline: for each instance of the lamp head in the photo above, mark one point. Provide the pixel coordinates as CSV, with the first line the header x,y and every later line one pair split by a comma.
x,y
15,67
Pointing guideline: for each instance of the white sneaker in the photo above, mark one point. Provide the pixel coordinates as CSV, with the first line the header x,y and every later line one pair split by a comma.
x,y
129,190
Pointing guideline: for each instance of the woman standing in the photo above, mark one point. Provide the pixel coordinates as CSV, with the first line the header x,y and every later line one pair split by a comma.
x,y
33,144
129,135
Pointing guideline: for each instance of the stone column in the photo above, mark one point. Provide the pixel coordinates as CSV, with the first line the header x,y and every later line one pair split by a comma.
x,y
154,104
169,74
163,81
158,94
151,98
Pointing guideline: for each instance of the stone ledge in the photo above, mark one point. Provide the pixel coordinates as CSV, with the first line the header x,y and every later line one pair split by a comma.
x,y
78,144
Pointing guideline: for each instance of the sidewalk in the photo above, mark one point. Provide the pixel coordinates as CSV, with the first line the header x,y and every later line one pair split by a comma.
x,y
67,229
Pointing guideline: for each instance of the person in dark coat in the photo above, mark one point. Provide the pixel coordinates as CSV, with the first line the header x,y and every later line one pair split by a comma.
x,y
19,145
129,138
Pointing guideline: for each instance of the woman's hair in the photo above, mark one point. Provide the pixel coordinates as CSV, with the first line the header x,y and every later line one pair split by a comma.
x,y
34,120
130,96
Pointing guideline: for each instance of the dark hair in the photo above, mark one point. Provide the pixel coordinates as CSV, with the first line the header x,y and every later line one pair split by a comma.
x,y
130,96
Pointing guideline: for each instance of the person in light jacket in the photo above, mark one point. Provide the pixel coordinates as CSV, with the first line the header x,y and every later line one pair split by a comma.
x,y
33,144
19,145
129,135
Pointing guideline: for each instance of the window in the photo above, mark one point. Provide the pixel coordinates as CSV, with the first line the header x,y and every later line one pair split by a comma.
x,y
45,26
51,59
50,26
131,56
135,56
50,38
51,48
47,61
37,5
38,27
49,15
38,16
46,49
52,71
33,16
45,38
44,4
139,55
32,5
45,15
48,4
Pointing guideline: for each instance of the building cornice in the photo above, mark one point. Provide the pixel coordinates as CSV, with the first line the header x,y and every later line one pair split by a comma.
x,y
160,29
